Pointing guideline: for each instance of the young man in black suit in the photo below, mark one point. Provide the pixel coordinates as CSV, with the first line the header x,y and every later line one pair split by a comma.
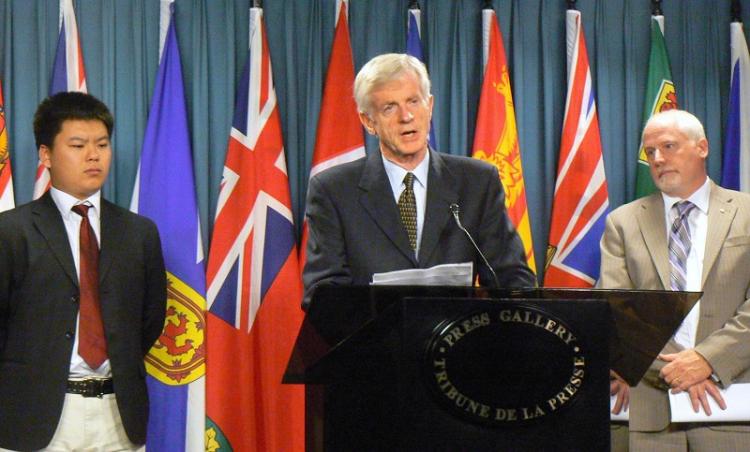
x,y
361,218
82,296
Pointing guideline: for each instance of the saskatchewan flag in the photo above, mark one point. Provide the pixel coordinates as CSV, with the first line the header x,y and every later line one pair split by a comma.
x,y
660,96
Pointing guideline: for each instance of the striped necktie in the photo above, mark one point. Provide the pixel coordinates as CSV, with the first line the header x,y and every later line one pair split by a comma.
x,y
407,207
679,245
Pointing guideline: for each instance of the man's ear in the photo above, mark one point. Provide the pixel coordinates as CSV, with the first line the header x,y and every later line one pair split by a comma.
x,y
703,148
367,122
44,155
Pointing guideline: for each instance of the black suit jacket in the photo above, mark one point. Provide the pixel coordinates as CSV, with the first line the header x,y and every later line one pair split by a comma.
x,y
39,306
355,229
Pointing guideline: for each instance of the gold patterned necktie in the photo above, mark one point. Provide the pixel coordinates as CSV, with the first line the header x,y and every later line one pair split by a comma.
x,y
407,207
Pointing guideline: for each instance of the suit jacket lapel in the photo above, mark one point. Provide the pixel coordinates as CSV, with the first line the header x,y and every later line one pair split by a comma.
x,y
110,237
440,195
375,196
721,213
50,225
651,222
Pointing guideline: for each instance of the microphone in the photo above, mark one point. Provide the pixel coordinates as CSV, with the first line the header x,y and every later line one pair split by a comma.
x,y
456,210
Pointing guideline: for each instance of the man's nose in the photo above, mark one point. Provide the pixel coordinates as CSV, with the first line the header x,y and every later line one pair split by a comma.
x,y
93,152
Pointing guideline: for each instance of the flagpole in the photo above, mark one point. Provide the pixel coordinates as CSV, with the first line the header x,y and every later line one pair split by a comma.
x,y
736,9
656,8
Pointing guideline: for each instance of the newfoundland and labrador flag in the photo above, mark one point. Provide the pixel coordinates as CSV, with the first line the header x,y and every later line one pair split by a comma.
x,y
254,283
581,201
736,168
68,74
165,192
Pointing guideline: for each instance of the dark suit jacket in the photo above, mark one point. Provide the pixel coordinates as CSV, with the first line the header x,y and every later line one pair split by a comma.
x,y
38,309
355,229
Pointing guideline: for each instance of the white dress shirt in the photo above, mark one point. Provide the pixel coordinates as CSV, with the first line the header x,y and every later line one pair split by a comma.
x,y
72,221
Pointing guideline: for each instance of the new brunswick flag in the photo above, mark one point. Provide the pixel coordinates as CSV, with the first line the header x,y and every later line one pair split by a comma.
x,y
496,137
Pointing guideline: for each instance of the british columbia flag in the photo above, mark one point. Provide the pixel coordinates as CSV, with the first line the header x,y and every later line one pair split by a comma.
x,y
254,284
581,202
68,74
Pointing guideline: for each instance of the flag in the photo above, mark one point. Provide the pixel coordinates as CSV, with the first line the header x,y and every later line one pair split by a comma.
x,y
414,48
736,168
68,74
339,137
581,202
496,137
253,276
7,200
165,192
660,96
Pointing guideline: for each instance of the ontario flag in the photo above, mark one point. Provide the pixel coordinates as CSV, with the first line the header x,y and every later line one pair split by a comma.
x,y
68,74
339,138
254,283
7,200
496,137
581,202
165,192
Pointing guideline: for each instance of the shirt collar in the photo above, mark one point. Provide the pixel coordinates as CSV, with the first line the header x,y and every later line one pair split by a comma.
x,y
699,197
396,174
65,201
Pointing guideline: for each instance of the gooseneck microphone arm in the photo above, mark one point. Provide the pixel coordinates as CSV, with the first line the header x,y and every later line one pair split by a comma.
x,y
456,211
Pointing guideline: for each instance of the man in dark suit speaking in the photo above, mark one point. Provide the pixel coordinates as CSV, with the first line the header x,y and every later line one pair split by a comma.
x,y
394,209
82,296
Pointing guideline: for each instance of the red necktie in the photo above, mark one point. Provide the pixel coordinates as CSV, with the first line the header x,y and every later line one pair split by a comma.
x,y
91,343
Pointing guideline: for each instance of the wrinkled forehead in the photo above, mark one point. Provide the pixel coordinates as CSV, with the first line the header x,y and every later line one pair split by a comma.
x,y
657,133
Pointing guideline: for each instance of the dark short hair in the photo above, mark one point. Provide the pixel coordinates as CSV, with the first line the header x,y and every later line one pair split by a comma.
x,y
56,109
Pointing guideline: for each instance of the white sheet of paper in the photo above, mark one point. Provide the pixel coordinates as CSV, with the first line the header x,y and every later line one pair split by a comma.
x,y
439,275
623,415
737,398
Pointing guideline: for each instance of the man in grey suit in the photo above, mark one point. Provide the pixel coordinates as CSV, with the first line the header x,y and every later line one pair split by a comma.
x,y
692,235
82,296
394,209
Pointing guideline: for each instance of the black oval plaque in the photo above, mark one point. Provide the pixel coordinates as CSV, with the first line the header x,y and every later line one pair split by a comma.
x,y
508,364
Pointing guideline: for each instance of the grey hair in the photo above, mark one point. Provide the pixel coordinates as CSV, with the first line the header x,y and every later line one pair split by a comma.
x,y
681,120
384,68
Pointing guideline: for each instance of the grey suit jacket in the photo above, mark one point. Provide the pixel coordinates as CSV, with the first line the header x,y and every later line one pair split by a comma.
x,y
635,256
39,306
355,229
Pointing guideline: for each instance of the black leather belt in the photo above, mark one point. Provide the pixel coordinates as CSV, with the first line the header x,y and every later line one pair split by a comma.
x,y
92,387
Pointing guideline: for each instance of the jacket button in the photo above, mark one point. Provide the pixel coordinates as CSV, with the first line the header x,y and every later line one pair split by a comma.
x,y
69,335
74,299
